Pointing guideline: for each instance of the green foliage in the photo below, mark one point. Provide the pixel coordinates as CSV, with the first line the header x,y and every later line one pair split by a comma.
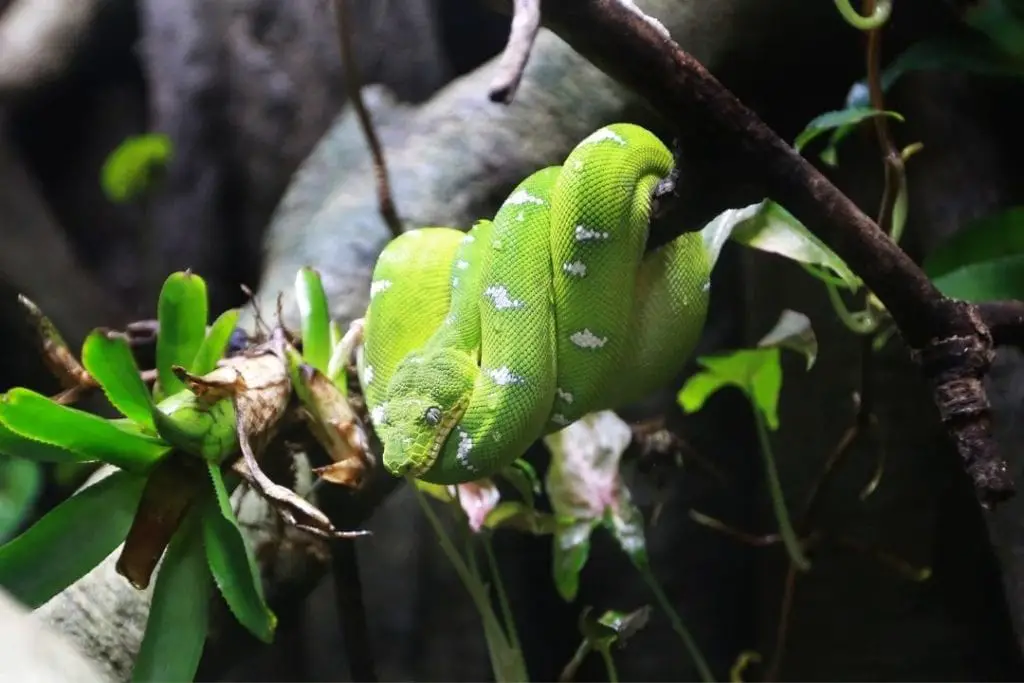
x,y
233,564
182,314
758,374
130,170
983,261
841,122
215,344
109,360
20,483
70,539
179,613
315,315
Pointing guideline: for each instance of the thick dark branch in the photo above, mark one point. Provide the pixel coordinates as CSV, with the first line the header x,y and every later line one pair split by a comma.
x,y
948,337
1005,320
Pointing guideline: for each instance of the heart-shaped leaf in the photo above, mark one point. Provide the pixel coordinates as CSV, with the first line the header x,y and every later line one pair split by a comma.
x,y
34,416
315,316
842,118
109,359
215,344
179,614
181,313
233,564
70,539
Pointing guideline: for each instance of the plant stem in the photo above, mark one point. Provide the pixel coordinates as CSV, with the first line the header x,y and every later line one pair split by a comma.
x,y
677,625
609,664
789,537
499,586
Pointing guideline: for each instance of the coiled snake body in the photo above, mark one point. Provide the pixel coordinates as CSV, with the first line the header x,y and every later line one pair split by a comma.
x,y
476,344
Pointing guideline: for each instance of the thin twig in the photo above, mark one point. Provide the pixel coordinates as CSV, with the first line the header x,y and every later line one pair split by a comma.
x,y
353,87
348,597
523,33
891,157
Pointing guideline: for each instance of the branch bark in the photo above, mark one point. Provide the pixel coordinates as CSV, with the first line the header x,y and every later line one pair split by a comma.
x,y
948,338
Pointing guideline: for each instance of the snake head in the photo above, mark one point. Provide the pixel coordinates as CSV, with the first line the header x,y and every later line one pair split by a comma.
x,y
426,398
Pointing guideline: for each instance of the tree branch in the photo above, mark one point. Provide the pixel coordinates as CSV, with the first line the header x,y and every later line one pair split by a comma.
x,y
948,338
525,24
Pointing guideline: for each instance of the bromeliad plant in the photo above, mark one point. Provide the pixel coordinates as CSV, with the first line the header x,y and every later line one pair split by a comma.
x,y
176,451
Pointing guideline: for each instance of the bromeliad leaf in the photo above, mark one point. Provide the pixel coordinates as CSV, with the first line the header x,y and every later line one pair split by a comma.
x,y
23,448
586,490
69,540
216,342
129,170
20,483
843,118
35,416
315,316
108,358
179,615
233,564
181,313
767,226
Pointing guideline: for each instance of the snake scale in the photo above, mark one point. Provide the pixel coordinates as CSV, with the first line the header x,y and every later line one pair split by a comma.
x,y
478,343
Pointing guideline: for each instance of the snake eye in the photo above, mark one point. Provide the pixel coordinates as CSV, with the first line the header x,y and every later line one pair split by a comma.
x,y
433,416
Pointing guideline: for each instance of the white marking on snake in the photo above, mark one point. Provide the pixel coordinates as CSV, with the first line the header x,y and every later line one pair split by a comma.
x,y
707,286
563,394
585,339
585,234
379,414
520,217
523,197
499,295
455,281
577,268
368,374
503,376
378,286
469,238
449,319
602,134
559,419
463,450
462,265
577,164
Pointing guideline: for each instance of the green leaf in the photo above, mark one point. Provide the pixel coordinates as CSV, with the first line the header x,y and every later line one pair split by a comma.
x,y
216,342
516,515
20,447
109,359
179,615
20,483
70,540
988,238
988,280
35,416
571,549
233,564
793,331
316,318
755,372
182,314
769,227
843,118
130,169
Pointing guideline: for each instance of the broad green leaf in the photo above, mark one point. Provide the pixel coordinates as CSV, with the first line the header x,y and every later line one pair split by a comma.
x,y
769,227
109,359
843,118
20,447
992,237
130,169
182,313
755,372
69,540
1001,22
571,549
1001,278
20,483
215,343
233,564
179,614
35,416
316,318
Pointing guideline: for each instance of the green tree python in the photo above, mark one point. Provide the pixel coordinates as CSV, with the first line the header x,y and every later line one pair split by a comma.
x,y
477,343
